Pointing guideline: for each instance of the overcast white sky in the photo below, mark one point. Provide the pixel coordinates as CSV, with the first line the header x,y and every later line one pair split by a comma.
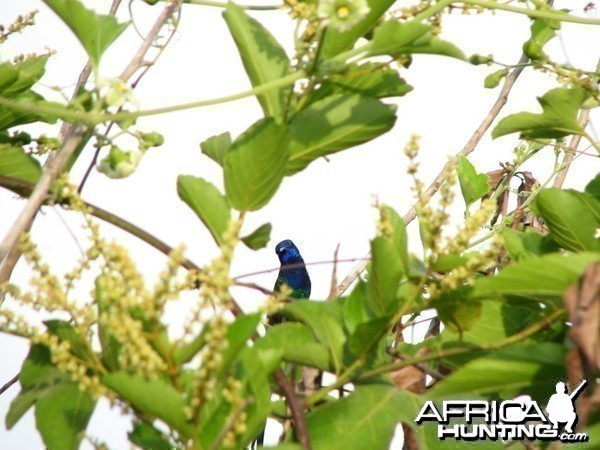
x,y
327,204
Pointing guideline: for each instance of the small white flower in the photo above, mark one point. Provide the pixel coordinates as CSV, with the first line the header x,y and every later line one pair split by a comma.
x,y
342,14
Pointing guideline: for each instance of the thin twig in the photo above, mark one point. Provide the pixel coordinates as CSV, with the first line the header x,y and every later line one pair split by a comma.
x,y
9,384
584,116
297,408
293,266
439,179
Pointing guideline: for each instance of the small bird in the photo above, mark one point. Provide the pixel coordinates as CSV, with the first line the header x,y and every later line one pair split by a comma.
x,y
292,272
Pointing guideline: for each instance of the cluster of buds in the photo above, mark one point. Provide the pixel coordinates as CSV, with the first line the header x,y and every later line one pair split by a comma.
x,y
211,357
233,395
18,25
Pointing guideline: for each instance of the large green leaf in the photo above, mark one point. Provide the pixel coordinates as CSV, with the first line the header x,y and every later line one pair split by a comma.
x,y
263,58
364,420
335,123
255,164
237,337
96,32
325,320
369,79
572,221
297,343
558,119
533,368
545,276
336,41
207,202
155,398
62,415
15,163
395,38
473,185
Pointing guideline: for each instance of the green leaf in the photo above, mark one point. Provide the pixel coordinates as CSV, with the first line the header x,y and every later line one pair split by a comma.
x,y
62,415
558,119
457,310
336,41
369,79
38,371
263,58
384,277
473,185
336,123
21,404
238,334
355,307
67,332
216,147
494,78
16,78
10,118
521,245
542,31
545,276
398,237
207,202
507,372
364,420
96,32
325,320
254,166
297,343
593,187
367,334
259,238
571,220
146,436
396,38
111,347
15,163
155,398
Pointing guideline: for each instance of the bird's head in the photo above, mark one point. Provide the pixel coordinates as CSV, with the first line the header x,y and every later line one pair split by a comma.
x,y
287,252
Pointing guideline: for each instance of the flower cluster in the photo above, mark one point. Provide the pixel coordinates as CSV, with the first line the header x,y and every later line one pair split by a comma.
x,y
233,395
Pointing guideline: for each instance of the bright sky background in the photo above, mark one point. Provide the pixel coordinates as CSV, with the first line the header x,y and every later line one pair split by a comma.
x,y
326,204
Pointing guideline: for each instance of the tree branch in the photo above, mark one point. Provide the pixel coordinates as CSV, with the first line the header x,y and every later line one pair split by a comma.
x,y
297,407
439,179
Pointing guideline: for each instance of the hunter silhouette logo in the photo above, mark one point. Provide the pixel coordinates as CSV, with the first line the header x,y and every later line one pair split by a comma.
x,y
472,420
561,406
